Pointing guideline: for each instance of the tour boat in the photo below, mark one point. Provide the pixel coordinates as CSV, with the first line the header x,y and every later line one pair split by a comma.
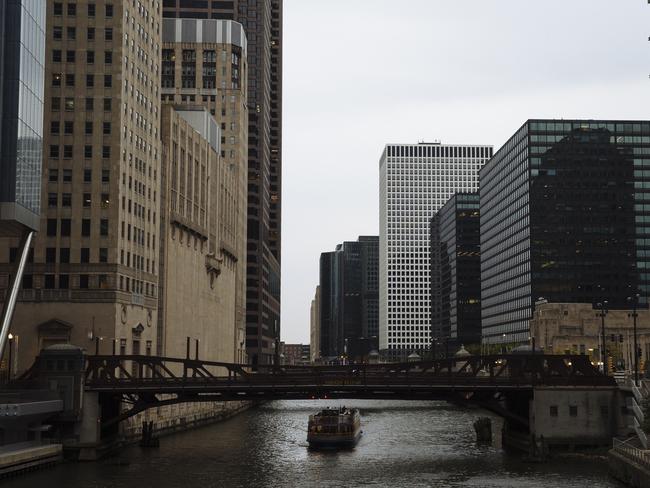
x,y
334,427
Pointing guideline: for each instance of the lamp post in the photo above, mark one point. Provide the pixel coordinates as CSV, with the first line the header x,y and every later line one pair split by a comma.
x,y
635,302
603,312
11,346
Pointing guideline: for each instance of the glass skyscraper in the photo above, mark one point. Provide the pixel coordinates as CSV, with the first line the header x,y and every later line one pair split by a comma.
x,y
22,59
456,271
565,216
415,182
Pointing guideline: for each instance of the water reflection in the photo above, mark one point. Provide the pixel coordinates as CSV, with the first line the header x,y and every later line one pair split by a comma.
x,y
410,444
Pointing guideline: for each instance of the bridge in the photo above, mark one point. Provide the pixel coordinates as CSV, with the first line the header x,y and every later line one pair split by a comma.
x,y
528,390
144,382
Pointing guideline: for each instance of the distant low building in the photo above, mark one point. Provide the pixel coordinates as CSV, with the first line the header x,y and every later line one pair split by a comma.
x,y
295,354
575,328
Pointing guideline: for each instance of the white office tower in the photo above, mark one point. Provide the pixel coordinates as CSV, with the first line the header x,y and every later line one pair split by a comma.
x,y
415,181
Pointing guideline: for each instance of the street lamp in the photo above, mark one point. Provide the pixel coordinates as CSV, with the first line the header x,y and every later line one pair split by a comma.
x,y
603,311
635,302
11,344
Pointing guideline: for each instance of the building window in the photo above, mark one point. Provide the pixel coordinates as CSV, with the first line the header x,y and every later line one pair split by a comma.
x,y
67,175
72,9
55,127
103,254
68,127
87,200
69,79
90,57
57,33
70,56
64,255
107,104
67,151
56,55
85,227
88,175
89,128
107,127
71,33
108,81
109,10
51,227
573,410
106,152
106,175
103,227
108,34
50,255
90,35
90,104
69,104
48,281
66,200
53,175
56,79
64,281
83,281
106,201
91,10
54,151
108,57
88,151
28,282
57,8
90,81
52,199
56,104
84,256
65,227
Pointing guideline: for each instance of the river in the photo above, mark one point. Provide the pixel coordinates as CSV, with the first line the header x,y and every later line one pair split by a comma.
x,y
405,444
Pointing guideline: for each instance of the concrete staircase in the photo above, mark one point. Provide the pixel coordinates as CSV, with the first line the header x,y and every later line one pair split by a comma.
x,y
639,394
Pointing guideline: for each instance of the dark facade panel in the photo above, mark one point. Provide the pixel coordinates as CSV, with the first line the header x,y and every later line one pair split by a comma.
x,y
22,57
565,216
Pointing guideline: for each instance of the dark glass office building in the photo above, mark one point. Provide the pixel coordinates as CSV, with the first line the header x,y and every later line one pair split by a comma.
x,y
565,216
22,56
456,271
349,307
262,21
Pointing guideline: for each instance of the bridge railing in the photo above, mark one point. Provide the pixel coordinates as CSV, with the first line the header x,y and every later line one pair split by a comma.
x,y
513,369
640,456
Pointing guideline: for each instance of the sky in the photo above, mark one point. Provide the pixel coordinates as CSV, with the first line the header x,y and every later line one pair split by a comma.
x,y
359,74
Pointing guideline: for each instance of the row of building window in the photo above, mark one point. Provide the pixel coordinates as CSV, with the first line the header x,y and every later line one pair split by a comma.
x,y
55,151
63,227
71,33
66,200
91,10
69,104
66,175
68,127
70,80
71,56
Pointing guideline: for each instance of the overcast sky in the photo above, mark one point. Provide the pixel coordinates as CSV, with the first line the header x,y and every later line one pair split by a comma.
x,y
362,73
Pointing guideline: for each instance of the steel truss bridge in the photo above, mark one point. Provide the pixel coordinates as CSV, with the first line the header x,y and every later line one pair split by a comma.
x,y
145,382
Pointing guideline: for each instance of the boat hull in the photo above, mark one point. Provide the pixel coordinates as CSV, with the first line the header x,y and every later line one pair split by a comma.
x,y
333,441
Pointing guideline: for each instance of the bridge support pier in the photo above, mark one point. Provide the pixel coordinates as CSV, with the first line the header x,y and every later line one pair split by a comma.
x,y
89,428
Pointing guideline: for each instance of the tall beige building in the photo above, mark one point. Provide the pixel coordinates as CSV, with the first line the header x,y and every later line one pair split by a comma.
x,y
198,239
94,270
204,63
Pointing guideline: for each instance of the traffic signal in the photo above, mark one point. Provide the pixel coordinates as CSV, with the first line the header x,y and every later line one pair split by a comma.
x,y
638,352
610,364
620,338
613,338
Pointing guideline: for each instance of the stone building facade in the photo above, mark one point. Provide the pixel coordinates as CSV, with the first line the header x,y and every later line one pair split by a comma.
x,y
204,63
575,328
93,273
198,267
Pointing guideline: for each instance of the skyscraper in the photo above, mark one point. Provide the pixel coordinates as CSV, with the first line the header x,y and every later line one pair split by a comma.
x,y
94,271
564,218
204,64
415,182
22,60
456,271
349,299
262,21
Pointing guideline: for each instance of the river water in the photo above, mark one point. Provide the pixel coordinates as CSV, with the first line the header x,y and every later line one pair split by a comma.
x,y
404,444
